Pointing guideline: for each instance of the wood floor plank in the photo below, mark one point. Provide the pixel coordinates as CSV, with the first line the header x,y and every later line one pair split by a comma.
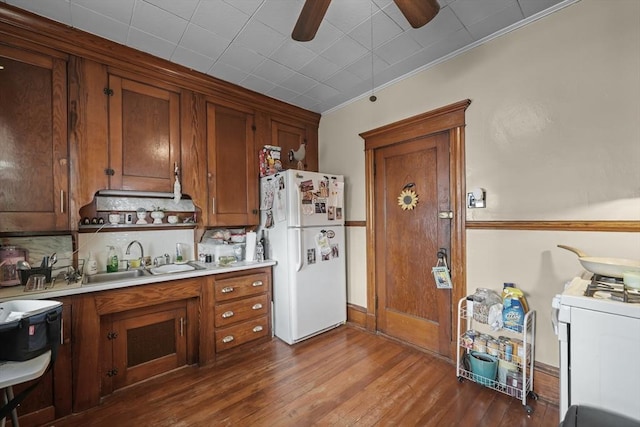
x,y
345,377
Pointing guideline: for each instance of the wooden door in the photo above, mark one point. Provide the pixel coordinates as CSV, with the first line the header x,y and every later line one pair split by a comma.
x,y
232,167
410,307
33,141
144,131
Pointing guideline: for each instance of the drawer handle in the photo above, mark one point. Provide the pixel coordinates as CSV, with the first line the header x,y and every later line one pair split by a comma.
x,y
257,283
227,289
227,339
257,306
228,314
257,329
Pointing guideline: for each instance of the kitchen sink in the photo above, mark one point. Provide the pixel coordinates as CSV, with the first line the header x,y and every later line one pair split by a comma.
x,y
172,268
111,277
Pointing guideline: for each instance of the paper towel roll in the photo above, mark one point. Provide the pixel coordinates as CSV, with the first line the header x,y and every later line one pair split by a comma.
x,y
250,246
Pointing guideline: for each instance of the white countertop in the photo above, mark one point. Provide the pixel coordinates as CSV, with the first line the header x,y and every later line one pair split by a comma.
x,y
61,289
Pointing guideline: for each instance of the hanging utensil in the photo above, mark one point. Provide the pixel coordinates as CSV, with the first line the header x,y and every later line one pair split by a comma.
x,y
612,267
53,259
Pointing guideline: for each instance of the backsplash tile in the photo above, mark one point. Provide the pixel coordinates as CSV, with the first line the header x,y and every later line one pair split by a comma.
x,y
154,243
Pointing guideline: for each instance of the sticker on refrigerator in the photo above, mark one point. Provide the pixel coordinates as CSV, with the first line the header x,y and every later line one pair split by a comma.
x,y
335,251
307,197
323,244
267,195
268,221
280,206
311,256
324,187
334,202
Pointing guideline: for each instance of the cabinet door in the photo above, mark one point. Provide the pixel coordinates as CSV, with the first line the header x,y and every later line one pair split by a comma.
x,y
148,343
288,138
144,130
232,167
33,140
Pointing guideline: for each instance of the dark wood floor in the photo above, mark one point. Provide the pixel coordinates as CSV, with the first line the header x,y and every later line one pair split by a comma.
x,y
345,377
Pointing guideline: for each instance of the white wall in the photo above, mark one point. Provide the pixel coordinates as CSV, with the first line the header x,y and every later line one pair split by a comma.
x,y
552,134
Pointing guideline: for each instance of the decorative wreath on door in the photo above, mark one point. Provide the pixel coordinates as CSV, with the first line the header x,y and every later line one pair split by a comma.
x,y
408,198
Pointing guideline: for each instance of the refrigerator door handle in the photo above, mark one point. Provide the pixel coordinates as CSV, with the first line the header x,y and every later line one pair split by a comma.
x,y
299,249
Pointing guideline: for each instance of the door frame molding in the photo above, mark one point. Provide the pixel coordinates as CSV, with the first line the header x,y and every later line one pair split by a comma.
x,y
451,119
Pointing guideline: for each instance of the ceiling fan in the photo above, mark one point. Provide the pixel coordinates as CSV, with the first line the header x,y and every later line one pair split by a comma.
x,y
417,12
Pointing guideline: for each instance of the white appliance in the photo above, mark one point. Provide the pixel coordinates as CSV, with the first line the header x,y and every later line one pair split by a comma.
x,y
599,350
302,215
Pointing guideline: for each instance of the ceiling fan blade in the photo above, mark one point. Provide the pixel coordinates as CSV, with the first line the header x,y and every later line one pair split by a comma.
x,y
309,20
418,12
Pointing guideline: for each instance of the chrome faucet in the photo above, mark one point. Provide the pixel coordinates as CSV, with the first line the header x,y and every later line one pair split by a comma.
x,y
128,252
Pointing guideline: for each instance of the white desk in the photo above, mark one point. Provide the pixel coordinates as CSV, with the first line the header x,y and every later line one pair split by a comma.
x,y
12,373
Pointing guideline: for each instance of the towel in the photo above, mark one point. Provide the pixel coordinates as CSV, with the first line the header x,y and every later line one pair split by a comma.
x,y
177,188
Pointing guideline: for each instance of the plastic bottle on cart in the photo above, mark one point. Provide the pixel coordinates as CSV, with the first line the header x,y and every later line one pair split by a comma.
x,y
514,307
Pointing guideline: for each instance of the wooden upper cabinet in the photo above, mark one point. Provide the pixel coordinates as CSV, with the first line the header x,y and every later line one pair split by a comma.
x,y
289,136
144,135
231,167
33,141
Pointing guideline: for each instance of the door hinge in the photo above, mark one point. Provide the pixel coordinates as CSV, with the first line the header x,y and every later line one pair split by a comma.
x,y
112,335
376,302
112,372
445,215
108,91
374,169
109,172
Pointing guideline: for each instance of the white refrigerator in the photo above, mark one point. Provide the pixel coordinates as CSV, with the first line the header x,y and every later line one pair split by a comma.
x,y
302,216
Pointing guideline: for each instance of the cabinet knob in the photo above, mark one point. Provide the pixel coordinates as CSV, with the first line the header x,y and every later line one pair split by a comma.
x,y
257,306
227,314
227,289
257,329
227,339
257,283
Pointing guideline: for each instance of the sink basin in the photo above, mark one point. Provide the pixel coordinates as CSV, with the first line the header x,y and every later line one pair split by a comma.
x,y
111,277
171,268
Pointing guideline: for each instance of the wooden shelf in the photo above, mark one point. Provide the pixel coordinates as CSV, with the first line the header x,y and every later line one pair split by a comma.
x,y
91,228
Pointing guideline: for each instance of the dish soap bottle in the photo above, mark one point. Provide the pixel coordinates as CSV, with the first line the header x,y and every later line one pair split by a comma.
x,y
92,265
112,260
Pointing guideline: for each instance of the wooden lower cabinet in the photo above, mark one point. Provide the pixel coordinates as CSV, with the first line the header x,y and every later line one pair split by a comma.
x,y
242,309
139,344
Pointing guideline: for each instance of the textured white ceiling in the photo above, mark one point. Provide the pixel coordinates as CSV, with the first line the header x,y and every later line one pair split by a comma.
x,y
248,42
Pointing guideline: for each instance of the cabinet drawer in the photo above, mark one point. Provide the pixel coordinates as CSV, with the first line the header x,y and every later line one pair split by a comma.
x,y
242,286
233,336
244,309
